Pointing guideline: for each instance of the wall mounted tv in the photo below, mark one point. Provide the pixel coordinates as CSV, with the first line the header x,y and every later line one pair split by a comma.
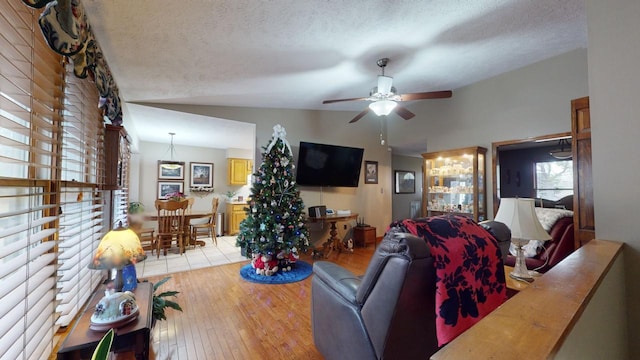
x,y
328,165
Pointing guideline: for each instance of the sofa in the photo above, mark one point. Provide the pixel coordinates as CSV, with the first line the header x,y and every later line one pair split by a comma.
x,y
557,219
393,310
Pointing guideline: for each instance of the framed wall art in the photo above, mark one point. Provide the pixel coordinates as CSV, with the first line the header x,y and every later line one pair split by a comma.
x,y
405,182
170,170
371,172
167,187
201,174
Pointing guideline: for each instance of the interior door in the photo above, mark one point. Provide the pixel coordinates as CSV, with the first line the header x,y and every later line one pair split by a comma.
x,y
583,213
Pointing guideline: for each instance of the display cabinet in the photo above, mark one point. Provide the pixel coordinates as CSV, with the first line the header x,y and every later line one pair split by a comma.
x,y
454,182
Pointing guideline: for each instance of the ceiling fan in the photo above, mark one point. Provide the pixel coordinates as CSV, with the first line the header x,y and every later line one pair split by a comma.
x,y
385,99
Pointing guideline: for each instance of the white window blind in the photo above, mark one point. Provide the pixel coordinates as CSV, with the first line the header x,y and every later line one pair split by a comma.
x,y
31,78
81,225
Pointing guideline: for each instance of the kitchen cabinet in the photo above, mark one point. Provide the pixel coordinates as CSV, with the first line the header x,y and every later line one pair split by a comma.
x,y
236,215
238,170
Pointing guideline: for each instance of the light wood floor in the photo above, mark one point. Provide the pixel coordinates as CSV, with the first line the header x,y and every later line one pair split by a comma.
x,y
226,317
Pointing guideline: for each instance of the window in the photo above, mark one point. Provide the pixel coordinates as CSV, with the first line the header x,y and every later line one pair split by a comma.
x,y
31,78
81,224
554,179
51,141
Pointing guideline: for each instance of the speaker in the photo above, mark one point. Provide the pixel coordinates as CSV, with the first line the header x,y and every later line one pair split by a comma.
x,y
317,211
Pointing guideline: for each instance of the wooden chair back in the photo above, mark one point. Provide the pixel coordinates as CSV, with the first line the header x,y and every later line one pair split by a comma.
x,y
214,207
190,201
171,223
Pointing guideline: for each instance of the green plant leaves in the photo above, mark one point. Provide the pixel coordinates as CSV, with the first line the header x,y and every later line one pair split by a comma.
x,y
104,346
160,303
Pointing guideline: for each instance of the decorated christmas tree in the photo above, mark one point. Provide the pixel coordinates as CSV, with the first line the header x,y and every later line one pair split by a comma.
x,y
274,232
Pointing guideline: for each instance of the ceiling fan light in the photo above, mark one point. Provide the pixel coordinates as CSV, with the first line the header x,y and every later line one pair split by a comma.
x,y
384,84
383,107
562,153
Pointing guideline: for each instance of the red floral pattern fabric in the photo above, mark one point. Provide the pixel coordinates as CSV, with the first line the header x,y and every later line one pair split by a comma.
x,y
470,279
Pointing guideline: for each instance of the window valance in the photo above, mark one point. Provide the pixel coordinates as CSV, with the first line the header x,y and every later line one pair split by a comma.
x,y
66,29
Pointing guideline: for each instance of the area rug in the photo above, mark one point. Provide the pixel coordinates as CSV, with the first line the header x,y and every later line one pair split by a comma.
x,y
301,271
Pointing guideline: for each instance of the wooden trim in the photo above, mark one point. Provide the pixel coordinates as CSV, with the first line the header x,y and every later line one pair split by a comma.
x,y
494,161
534,323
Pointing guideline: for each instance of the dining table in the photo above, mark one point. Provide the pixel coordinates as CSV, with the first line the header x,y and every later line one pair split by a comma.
x,y
188,216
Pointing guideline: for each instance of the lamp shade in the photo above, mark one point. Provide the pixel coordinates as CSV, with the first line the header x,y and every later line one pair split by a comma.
x,y
520,217
382,107
117,249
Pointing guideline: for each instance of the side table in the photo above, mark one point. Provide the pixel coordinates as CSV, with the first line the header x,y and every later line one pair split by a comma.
x,y
513,286
81,341
364,235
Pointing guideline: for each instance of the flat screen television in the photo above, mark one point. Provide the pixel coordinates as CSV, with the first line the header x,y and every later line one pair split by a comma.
x,y
328,165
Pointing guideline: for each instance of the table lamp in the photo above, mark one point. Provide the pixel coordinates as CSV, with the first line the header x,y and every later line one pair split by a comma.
x,y
520,217
117,249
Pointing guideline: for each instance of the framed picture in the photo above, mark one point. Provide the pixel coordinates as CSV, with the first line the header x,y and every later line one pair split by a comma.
x,y
201,174
405,182
170,170
168,187
370,172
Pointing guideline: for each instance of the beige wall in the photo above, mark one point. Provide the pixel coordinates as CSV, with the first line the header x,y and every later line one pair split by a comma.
x,y
593,336
532,101
147,176
614,83
402,202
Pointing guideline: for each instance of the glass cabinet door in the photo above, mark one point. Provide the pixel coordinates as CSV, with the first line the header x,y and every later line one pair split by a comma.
x,y
454,182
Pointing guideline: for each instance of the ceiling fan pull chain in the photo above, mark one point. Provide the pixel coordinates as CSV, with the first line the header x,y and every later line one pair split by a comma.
x,y
382,130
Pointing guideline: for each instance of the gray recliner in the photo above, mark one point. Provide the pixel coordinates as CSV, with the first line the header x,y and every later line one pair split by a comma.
x,y
386,314
501,233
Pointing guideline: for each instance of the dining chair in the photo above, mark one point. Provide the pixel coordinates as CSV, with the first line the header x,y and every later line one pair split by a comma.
x,y
147,238
190,201
171,224
208,225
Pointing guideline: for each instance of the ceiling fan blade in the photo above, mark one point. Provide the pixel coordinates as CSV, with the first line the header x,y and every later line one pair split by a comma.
x,y
403,112
339,100
359,116
426,95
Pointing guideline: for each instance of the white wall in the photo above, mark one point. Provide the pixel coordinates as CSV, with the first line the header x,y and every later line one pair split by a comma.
x,y
614,84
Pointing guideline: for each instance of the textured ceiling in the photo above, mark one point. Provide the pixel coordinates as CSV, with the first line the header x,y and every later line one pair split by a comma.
x,y
295,53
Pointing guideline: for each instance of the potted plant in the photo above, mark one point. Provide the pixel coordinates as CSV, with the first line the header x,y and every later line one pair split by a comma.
x,y
136,207
160,301
104,346
230,194
136,219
